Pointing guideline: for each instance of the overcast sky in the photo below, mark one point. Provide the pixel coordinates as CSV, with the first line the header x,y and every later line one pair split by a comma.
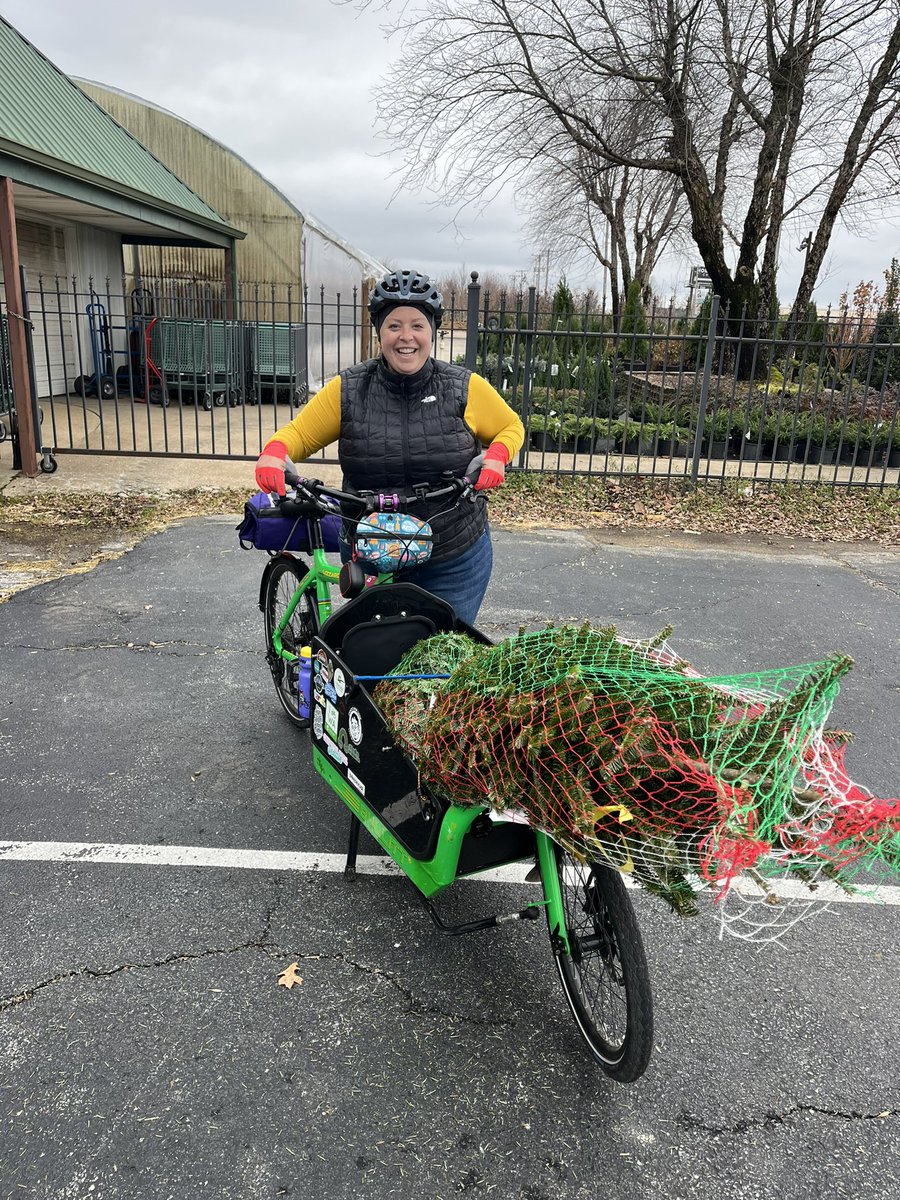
x,y
287,85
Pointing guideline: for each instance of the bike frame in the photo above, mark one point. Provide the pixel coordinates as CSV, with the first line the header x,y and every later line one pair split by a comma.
x,y
433,875
436,874
323,576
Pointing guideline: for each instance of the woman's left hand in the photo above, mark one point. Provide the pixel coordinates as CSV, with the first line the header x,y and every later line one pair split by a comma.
x,y
493,468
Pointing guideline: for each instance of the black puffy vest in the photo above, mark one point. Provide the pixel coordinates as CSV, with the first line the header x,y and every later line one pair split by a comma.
x,y
401,430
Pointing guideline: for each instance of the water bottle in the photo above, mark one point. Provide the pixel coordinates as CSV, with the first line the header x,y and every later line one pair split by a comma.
x,y
304,681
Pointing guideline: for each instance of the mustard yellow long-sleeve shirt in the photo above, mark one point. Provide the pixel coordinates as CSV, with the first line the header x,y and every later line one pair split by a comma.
x,y
318,424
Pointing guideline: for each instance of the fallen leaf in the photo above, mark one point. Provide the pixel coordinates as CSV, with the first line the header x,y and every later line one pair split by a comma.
x,y
289,977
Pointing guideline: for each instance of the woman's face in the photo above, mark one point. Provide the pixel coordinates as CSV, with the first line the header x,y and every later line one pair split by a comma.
x,y
405,338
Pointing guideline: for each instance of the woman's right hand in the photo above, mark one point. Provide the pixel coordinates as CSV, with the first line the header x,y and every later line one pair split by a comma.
x,y
270,468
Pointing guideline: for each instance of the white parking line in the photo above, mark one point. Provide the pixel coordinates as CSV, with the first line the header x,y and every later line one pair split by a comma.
x,y
131,854
126,854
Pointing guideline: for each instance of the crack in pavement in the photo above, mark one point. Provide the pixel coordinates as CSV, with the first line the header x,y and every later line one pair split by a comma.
x,y
265,938
413,1007
878,584
772,1119
13,1000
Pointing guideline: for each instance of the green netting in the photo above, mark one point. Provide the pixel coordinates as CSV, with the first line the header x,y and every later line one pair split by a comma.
x,y
623,752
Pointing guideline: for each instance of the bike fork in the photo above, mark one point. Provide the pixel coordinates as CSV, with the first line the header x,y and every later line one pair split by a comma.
x,y
556,918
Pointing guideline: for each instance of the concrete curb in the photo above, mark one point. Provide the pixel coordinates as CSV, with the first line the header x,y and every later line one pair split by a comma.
x,y
114,474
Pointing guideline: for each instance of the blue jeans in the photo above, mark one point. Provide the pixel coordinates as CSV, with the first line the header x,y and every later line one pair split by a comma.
x,y
461,581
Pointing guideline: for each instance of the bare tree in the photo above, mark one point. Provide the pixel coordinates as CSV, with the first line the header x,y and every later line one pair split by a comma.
x,y
762,111
624,219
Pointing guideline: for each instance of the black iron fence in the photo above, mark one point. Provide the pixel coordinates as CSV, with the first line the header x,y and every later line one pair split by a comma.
x,y
713,396
186,370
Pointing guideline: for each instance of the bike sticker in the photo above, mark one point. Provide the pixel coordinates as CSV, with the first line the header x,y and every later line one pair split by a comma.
x,y
335,752
331,718
344,743
340,681
324,665
331,693
318,682
354,725
357,783
318,723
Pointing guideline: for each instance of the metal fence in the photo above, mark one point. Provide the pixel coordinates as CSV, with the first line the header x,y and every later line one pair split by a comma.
x,y
714,397
188,371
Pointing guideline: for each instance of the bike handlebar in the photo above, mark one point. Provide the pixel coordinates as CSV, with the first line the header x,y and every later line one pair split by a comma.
x,y
324,500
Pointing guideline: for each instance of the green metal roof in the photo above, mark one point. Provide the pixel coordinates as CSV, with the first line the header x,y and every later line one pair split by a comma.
x,y
47,119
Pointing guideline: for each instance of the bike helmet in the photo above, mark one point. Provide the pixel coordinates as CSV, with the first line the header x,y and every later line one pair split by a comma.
x,y
410,288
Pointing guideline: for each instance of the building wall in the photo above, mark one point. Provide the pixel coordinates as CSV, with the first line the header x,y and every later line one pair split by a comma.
x,y
68,266
43,253
271,251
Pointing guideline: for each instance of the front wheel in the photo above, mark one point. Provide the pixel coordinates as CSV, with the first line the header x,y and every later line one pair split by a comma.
x,y
282,580
604,975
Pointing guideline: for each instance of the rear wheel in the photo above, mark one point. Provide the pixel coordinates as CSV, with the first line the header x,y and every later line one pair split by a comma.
x,y
282,581
605,975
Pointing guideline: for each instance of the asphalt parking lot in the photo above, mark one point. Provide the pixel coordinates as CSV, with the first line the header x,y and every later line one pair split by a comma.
x,y
147,1049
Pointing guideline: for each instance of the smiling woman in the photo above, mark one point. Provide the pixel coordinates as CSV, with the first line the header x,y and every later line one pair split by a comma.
x,y
405,338
404,419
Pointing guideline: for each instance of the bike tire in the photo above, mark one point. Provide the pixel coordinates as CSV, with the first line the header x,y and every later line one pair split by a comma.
x,y
605,978
282,581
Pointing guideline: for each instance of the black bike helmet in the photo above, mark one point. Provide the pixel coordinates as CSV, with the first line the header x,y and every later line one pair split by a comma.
x,y
407,288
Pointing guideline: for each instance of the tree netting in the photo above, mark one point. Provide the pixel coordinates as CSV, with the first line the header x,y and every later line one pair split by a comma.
x,y
625,754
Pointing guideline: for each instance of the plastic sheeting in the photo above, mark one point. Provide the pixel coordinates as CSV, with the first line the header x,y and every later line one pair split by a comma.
x,y
334,272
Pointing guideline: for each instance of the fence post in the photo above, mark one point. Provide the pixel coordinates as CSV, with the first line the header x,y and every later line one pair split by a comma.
x,y
474,297
365,322
25,442
704,389
530,322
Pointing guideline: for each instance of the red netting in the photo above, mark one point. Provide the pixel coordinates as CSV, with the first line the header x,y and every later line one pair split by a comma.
x,y
621,751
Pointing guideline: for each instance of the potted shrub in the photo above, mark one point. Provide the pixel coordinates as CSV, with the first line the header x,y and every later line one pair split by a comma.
x,y
625,432
717,430
672,440
848,439
576,434
604,436
755,447
780,429
888,444
543,430
648,439
870,440
820,444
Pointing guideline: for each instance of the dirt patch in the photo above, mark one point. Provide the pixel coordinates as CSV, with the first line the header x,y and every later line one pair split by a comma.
x,y
44,537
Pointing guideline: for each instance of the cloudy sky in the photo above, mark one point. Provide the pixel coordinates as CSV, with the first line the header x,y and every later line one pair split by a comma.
x,y
287,85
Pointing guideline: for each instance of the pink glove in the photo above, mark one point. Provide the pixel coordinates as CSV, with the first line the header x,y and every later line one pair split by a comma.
x,y
493,469
270,467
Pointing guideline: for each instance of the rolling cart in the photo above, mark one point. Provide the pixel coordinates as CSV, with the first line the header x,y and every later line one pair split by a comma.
x,y
278,367
102,380
199,362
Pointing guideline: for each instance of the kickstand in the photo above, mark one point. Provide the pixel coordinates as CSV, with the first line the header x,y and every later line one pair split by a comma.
x,y
530,913
352,847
